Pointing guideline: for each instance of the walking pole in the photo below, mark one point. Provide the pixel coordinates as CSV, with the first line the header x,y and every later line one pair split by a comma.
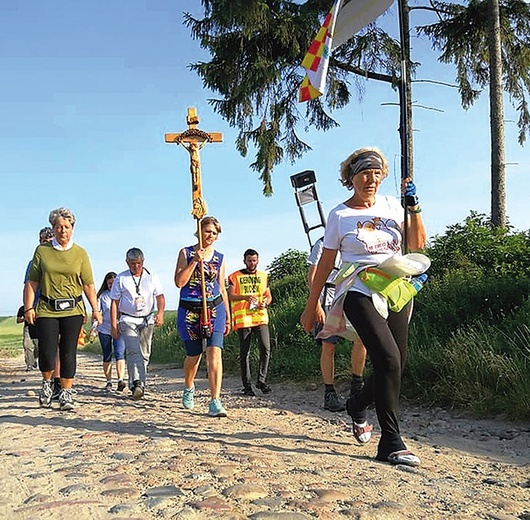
x,y
193,140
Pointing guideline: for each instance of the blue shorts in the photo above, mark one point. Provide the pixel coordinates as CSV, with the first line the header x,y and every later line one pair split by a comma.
x,y
106,346
193,347
332,339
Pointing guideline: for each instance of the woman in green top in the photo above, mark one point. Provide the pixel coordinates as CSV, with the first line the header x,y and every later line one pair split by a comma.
x,y
62,272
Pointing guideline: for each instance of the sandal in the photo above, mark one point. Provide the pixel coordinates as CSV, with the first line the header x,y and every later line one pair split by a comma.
x,y
362,432
405,457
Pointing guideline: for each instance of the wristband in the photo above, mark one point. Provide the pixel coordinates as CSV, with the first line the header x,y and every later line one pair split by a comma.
x,y
411,200
95,310
414,211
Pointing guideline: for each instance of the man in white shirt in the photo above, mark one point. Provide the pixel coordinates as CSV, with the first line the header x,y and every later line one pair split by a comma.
x,y
137,306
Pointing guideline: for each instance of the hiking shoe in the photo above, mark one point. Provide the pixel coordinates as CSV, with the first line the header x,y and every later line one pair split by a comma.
x,y
65,400
108,387
248,390
333,402
137,391
187,398
356,385
45,395
264,387
56,389
121,386
215,409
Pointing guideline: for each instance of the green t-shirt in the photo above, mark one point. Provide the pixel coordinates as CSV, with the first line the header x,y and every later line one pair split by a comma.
x,y
60,274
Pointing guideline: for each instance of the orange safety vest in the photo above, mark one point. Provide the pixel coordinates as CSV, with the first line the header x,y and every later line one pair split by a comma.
x,y
248,284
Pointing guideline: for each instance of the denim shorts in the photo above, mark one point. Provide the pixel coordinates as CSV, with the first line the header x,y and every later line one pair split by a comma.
x,y
107,342
193,347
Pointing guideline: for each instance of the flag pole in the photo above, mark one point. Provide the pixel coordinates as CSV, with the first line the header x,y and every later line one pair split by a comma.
x,y
404,128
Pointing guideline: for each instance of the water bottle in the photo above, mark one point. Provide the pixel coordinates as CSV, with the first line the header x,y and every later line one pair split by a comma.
x,y
418,281
93,331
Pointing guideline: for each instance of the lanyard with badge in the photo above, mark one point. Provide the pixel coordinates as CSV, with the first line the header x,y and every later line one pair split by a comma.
x,y
139,301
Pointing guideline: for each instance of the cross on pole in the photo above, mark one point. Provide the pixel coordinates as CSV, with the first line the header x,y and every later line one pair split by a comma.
x,y
193,140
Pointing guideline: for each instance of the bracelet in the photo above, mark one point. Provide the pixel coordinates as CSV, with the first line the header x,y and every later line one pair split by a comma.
x,y
414,211
27,310
95,310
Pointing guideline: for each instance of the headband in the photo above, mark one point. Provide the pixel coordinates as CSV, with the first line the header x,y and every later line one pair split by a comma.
x,y
366,161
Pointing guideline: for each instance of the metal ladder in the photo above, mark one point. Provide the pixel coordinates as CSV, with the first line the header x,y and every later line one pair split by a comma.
x,y
305,193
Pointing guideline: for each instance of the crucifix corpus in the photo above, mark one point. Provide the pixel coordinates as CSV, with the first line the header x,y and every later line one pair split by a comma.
x,y
193,140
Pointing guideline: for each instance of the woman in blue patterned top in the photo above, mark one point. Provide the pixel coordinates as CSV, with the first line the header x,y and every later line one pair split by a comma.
x,y
190,329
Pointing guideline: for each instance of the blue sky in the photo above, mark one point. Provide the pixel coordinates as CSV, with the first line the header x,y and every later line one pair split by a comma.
x,y
88,91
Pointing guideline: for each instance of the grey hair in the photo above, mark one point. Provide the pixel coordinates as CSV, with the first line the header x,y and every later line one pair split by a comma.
x,y
58,213
134,254
45,234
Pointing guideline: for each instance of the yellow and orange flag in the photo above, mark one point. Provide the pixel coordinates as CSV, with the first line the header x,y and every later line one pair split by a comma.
x,y
341,23
316,60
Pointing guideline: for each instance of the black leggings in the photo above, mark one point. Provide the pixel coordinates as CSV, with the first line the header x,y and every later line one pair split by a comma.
x,y
386,343
63,332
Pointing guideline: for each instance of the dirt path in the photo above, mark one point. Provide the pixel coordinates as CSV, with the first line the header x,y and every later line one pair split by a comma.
x,y
274,457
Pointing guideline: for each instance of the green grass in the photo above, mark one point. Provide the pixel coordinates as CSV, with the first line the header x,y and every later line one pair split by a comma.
x,y
10,336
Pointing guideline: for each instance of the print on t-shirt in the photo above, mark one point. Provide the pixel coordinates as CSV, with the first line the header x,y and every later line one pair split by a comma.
x,y
379,235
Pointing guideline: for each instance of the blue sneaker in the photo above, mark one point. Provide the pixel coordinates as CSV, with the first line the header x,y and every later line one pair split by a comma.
x,y
187,398
216,409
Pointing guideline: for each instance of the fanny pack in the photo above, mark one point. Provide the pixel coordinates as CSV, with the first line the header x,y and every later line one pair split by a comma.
x,y
196,305
62,304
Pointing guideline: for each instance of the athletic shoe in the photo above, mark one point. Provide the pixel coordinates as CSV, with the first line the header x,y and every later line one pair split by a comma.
x,y
248,390
45,395
333,402
56,388
108,387
215,409
264,387
137,391
187,398
121,386
65,400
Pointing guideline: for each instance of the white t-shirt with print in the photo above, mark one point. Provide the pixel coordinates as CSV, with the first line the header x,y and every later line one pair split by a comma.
x,y
366,236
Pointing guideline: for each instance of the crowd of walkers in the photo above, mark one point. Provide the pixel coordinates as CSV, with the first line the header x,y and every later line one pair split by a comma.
x,y
361,236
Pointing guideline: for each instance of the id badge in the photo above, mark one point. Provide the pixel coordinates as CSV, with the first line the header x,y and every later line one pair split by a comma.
x,y
140,303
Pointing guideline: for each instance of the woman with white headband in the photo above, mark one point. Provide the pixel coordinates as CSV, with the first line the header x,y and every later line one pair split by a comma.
x,y
368,229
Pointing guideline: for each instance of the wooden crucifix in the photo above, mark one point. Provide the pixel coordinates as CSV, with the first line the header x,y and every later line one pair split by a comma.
x,y
194,139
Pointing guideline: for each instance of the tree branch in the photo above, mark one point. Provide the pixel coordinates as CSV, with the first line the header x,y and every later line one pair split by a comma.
x,y
434,82
361,72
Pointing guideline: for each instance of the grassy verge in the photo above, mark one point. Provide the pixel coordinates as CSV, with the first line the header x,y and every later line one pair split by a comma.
x,y
10,337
